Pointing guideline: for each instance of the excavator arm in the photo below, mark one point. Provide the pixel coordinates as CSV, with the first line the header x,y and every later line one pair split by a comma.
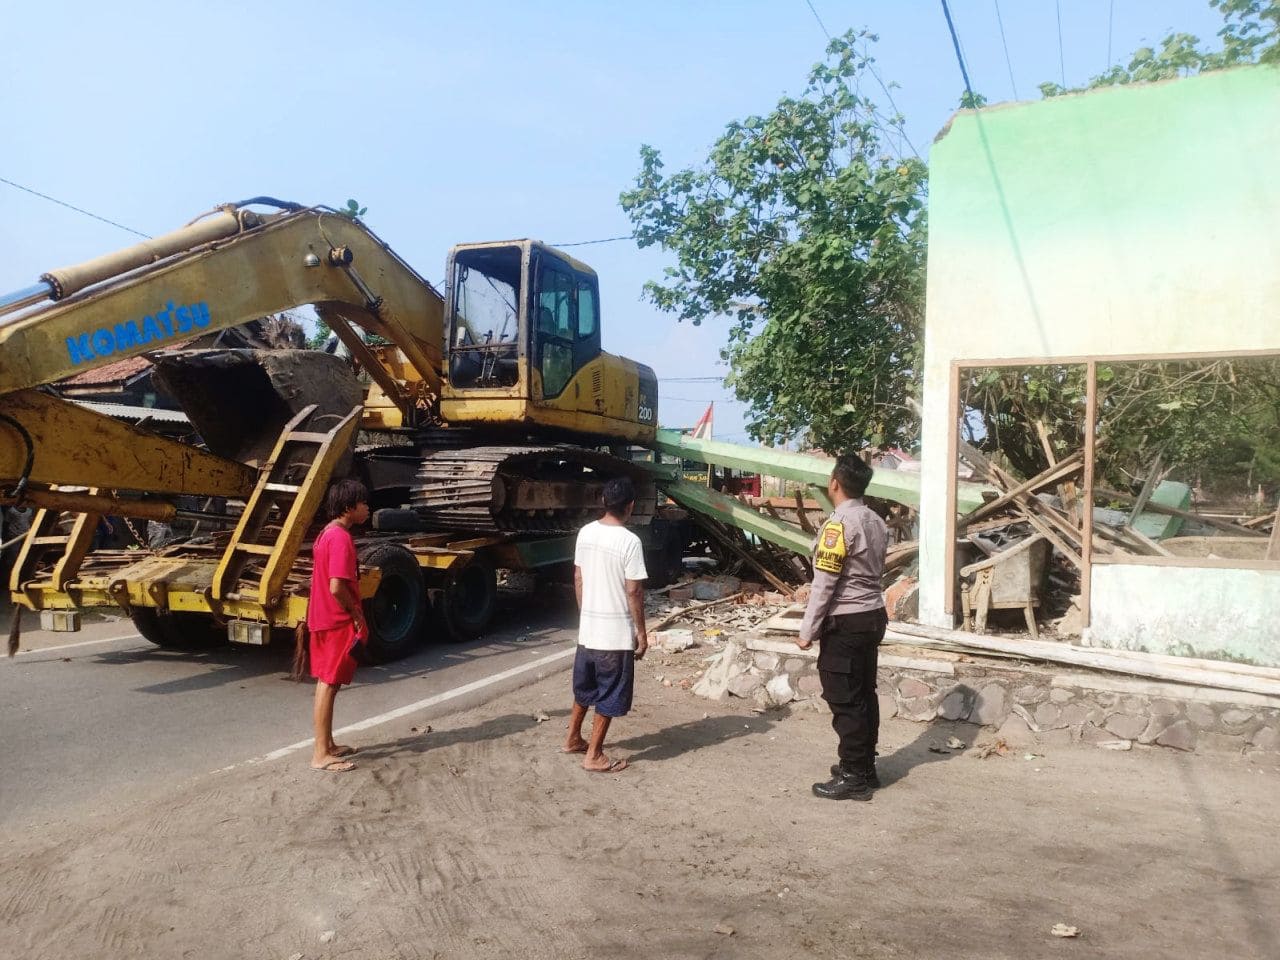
x,y
231,267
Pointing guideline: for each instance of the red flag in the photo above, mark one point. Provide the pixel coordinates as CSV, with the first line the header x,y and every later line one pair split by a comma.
x,y
702,429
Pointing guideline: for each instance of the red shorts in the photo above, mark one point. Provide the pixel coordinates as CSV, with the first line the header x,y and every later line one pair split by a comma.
x,y
331,659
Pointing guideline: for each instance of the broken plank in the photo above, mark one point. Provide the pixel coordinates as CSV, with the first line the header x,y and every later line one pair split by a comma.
x,y
1052,475
1175,512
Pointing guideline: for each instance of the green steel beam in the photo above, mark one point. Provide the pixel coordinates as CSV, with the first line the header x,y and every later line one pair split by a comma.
x,y
728,510
900,486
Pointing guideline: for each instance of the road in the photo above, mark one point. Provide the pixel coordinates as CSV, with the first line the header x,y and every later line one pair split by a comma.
x,y
95,720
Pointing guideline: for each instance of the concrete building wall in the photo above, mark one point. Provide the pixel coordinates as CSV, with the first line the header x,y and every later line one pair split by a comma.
x,y
1216,613
1130,220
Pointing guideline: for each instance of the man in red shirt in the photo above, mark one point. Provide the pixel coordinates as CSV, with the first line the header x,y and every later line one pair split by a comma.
x,y
335,619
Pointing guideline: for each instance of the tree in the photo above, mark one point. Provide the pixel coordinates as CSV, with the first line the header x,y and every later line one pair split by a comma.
x,y
318,340
1250,34
805,233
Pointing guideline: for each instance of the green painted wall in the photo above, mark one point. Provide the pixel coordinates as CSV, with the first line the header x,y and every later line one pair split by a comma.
x,y
1129,220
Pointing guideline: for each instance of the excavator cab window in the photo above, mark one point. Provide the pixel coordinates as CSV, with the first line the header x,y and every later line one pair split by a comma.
x,y
484,333
568,327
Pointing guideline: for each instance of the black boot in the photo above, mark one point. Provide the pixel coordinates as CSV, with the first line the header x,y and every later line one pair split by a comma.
x,y
844,785
869,772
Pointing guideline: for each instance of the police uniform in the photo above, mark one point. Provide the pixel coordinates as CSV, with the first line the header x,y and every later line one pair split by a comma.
x,y
846,615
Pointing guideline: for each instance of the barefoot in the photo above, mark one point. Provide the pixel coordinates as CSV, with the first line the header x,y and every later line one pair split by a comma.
x,y
574,746
603,764
332,765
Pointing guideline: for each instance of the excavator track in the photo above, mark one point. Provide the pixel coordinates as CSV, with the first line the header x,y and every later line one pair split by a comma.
x,y
521,489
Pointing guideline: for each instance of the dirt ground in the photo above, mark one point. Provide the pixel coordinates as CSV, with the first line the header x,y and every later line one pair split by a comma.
x,y
478,839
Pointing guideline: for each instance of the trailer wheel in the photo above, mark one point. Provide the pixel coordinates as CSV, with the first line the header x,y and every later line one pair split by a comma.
x,y
177,631
469,600
397,613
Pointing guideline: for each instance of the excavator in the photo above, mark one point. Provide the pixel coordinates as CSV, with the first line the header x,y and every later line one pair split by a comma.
x,y
484,420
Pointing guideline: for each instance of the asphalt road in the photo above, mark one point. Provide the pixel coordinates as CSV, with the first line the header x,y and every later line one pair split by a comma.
x,y
91,721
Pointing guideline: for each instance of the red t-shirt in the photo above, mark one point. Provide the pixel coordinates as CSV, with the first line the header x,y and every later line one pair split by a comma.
x,y
333,555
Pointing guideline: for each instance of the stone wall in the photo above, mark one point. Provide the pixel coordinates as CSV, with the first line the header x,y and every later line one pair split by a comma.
x,y
1021,702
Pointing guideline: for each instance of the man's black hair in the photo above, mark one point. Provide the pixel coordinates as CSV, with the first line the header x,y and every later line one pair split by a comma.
x,y
343,496
619,492
852,473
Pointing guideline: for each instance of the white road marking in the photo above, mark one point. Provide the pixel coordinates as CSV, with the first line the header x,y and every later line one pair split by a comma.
x,y
79,643
414,707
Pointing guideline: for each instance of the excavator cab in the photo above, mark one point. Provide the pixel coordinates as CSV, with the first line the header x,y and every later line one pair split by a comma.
x,y
522,326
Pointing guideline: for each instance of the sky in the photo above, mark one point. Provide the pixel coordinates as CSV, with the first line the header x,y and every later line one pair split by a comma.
x,y
466,122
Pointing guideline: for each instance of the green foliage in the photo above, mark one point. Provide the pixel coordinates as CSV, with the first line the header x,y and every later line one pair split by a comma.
x,y
1250,33
804,232
352,210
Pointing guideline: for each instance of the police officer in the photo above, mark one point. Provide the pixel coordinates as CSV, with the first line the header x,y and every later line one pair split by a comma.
x,y
846,615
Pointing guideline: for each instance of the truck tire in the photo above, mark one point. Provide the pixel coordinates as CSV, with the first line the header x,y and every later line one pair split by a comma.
x,y
397,613
468,602
178,631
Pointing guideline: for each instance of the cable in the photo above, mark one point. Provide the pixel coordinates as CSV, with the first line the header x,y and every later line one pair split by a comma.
x,y
1111,20
21,485
1062,63
69,206
955,42
871,67
691,379
1004,43
583,243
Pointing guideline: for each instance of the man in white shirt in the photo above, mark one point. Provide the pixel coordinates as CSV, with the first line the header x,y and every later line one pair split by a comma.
x,y
608,578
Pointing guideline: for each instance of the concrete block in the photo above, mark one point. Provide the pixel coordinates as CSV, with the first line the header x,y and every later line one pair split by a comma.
x,y
717,589
673,641
1180,736
1125,726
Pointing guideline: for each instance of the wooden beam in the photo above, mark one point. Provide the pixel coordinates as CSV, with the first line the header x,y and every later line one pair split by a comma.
x,y
1185,514
1086,500
1053,474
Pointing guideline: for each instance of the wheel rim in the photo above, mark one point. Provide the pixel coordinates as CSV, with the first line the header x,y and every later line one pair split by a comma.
x,y
469,595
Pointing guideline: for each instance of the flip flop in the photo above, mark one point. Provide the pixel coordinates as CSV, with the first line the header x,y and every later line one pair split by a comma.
x,y
582,749
615,766
334,766
343,750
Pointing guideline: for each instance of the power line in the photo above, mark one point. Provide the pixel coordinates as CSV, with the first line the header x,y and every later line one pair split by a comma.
x,y
583,243
871,67
1111,20
70,206
1062,63
1005,43
691,379
955,42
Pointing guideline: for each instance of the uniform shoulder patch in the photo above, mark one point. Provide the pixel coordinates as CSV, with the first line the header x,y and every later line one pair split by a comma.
x,y
829,557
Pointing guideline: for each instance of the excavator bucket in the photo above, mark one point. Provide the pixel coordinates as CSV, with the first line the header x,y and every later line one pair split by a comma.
x,y
240,400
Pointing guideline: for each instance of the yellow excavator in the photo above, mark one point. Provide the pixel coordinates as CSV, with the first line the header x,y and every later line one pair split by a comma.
x,y
490,411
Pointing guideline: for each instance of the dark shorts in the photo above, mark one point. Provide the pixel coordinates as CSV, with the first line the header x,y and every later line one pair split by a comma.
x,y
604,679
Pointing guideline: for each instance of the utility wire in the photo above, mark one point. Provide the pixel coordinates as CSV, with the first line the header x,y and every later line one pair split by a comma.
x,y
69,206
1062,62
1005,43
691,379
583,243
1111,21
955,42
871,67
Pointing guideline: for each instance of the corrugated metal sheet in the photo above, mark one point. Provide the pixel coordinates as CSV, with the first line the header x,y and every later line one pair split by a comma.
x,y
118,371
121,411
